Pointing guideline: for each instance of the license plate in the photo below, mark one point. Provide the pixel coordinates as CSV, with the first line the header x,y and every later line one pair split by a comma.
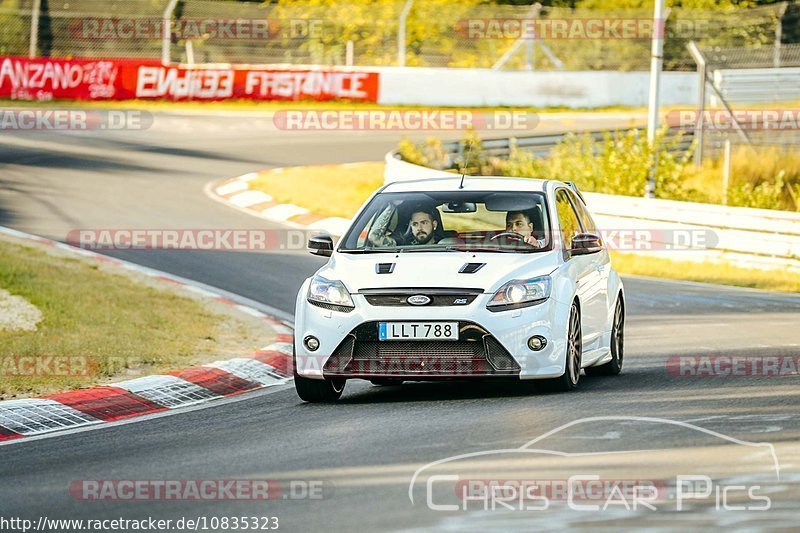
x,y
413,331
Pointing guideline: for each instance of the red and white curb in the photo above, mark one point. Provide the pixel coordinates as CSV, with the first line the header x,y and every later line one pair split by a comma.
x,y
267,367
236,193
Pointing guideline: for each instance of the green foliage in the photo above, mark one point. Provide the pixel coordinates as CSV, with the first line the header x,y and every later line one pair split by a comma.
x,y
620,162
14,29
436,31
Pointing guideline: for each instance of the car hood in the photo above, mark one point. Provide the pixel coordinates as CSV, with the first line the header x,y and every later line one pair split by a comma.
x,y
436,269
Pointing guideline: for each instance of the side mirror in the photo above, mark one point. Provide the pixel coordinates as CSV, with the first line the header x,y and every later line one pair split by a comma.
x,y
585,244
321,245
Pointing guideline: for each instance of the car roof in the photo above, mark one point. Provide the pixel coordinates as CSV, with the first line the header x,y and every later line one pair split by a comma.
x,y
471,183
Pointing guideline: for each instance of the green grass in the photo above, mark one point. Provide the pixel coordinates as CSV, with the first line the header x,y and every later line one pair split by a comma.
x,y
706,272
339,190
120,326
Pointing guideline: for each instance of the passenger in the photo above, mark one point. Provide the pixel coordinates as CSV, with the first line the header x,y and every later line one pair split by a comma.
x,y
520,222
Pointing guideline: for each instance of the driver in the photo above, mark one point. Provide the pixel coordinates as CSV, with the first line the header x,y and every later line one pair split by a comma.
x,y
520,222
423,225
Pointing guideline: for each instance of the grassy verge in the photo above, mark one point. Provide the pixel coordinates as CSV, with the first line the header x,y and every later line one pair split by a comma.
x,y
339,190
329,190
102,324
719,273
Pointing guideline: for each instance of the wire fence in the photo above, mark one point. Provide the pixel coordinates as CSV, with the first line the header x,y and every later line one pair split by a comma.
x,y
431,33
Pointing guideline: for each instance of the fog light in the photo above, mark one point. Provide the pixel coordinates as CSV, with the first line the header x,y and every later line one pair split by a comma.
x,y
537,342
312,343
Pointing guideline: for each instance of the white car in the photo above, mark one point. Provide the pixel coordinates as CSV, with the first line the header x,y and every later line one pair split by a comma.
x,y
461,278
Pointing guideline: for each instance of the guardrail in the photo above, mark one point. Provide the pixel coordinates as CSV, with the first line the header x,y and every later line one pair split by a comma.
x,y
757,85
541,145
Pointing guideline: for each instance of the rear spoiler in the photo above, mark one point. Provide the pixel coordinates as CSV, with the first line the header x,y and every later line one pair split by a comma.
x,y
571,185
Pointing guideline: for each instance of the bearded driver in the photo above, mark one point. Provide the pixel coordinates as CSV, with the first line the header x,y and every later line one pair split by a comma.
x,y
421,229
422,226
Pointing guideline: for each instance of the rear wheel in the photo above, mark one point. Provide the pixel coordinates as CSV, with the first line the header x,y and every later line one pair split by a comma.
x,y
572,369
613,367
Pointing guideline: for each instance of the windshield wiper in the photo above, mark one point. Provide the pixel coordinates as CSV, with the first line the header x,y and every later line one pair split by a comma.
x,y
369,251
467,248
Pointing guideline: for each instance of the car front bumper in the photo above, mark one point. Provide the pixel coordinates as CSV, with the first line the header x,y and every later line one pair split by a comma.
x,y
491,344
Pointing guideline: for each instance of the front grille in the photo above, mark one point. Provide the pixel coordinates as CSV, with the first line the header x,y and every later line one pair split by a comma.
x,y
475,353
439,297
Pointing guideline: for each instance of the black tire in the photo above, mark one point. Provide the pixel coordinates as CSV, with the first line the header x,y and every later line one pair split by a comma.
x,y
613,367
386,382
318,390
572,368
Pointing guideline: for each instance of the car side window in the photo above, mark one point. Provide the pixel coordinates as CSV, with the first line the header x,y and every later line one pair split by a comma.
x,y
583,214
568,222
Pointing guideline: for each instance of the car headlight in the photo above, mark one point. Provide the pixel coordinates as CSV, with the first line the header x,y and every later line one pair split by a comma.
x,y
330,294
521,293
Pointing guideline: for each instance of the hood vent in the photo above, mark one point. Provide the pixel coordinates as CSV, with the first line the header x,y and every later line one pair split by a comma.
x,y
384,268
471,268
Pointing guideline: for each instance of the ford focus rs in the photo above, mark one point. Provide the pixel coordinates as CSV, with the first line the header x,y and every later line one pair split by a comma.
x,y
455,278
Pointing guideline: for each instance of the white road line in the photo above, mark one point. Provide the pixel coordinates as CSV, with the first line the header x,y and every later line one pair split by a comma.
x,y
248,177
233,186
248,198
333,225
283,212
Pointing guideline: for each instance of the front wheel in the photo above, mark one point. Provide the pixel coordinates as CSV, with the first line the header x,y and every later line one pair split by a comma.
x,y
613,367
572,368
318,390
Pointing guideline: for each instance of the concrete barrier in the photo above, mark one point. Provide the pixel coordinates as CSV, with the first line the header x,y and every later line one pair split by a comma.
x,y
486,87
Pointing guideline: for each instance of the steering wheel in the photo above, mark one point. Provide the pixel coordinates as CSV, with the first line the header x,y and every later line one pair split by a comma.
x,y
510,234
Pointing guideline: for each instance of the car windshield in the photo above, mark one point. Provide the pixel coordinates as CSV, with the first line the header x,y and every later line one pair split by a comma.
x,y
511,222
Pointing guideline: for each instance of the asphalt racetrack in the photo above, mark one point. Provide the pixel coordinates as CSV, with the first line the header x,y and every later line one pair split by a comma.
x,y
350,466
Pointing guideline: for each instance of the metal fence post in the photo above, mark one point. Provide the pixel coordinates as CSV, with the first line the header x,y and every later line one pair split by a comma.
x,y
656,62
166,33
776,53
401,33
34,41
726,171
702,67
